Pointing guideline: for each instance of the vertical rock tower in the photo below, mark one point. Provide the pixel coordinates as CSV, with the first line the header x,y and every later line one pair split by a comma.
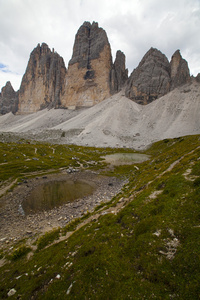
x,y
88,77
155,76
43,80
151,79
119,73
8,99
180,73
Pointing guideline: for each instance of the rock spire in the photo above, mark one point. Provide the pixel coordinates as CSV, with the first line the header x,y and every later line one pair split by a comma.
x,y
8,99
180,73
43,80
91,76
155,76
88,77
151,79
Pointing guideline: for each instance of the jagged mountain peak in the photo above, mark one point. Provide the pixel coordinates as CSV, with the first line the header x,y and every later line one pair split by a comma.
x,y
92,76
8,99
180,73
89,43
155,76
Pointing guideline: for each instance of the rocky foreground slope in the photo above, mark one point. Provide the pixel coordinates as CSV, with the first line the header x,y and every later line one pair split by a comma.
x,y
115,122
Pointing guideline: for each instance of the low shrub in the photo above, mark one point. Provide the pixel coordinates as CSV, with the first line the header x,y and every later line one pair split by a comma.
x,y
20,252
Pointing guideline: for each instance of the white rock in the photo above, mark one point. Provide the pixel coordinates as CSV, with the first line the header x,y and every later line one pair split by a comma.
x,y
157,233
69,289
3,240
11,292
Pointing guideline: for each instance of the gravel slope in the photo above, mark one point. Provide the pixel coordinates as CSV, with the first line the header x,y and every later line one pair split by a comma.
x,y
115,122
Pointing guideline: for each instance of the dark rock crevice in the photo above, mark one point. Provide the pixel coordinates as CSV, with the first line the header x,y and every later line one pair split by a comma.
x,y
89,43
119,73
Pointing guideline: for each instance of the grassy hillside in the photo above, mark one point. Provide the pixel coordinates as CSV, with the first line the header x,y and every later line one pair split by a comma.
x,y
144,244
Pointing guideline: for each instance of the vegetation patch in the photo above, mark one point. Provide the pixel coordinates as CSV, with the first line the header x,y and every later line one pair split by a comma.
x,y
47,238
138,246
20,252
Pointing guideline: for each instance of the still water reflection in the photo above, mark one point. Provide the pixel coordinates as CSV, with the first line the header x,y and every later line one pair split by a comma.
x,y
55,193
117,159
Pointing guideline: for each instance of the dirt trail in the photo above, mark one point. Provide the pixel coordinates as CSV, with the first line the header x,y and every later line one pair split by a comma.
x,y
124,201
8,186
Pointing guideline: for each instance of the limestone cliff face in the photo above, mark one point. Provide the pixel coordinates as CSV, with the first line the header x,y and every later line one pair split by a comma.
x,y
180,73
88,77
151,79
8,99
91,76
43,80
155,76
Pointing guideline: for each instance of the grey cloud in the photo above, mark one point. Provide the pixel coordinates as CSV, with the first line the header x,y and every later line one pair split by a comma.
x,y
132,26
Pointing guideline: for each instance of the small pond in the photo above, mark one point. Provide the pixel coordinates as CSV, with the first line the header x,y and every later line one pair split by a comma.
x,y
118,159
55,193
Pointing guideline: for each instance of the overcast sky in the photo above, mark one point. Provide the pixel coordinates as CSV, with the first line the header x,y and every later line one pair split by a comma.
x,y
132,26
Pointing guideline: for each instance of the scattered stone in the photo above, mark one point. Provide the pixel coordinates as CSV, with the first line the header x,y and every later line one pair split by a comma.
x,y
29,232
171,248
20,210
3,239
171,232
11,292
157,233
69,289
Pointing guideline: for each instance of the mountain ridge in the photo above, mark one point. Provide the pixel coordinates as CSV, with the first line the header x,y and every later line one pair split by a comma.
x,y
92,76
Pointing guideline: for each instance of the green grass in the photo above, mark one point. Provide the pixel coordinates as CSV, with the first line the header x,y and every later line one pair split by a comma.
x,y
149,250
47,238
20,252
18,160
